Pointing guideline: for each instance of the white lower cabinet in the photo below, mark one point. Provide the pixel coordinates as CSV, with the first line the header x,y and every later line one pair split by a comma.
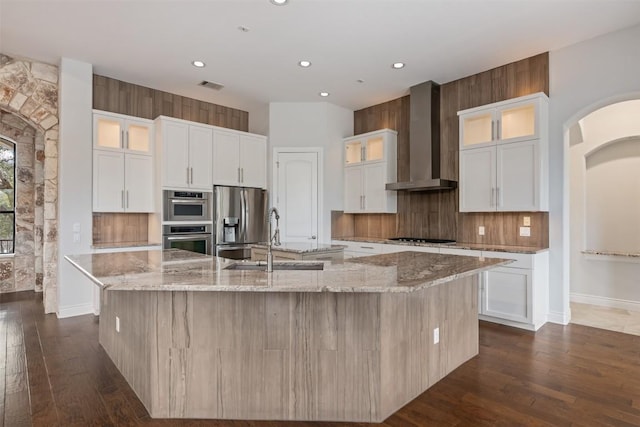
x,y
518,293
506,294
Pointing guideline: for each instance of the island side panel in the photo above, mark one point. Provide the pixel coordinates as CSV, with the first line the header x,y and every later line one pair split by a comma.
x,y
243,355
410,361
132,349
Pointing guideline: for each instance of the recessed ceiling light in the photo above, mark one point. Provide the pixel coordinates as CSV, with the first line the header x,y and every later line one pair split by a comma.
x,y
304,64
360,81
244,29
324,94
279,2
397,65
198,64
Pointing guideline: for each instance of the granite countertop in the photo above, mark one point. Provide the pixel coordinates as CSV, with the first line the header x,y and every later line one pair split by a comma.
x,y
177,270
123,245
611,253
301,248
457,245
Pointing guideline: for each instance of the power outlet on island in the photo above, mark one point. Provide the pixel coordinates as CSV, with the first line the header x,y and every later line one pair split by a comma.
x,y
436,335
525,231
117,324
481,230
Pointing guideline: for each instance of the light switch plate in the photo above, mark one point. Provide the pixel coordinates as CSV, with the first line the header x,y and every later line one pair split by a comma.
x,y
526,221
481,230
525,231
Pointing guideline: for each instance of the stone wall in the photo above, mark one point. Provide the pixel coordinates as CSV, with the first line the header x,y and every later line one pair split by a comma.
x,y
29,117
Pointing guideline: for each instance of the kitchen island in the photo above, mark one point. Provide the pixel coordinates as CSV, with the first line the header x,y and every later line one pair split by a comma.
x,y
197,338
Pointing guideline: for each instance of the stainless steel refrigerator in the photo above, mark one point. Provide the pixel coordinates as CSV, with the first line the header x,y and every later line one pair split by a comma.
x,y
240,219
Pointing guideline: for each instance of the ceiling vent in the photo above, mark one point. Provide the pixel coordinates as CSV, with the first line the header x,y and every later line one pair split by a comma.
x,y
211,85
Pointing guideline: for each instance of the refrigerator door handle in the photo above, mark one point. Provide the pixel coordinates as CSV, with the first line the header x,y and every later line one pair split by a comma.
x,y
243,212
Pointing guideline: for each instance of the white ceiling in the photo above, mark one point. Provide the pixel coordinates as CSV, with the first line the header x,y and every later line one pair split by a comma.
x,y
152,43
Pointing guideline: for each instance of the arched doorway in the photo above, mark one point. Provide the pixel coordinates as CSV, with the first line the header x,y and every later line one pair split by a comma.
x,y
29,116
604,200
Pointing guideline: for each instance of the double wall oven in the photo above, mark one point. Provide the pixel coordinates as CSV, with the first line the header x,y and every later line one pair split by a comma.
x,y
187,221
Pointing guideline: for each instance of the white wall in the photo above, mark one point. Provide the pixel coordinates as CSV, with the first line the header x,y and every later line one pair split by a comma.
x,y
583,78
314,124
605,206
259,120
75,291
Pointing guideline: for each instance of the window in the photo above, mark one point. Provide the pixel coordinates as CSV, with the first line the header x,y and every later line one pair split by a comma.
x,y
7,195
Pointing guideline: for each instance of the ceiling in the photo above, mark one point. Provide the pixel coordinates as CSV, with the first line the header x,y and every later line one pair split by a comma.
x,y
152,43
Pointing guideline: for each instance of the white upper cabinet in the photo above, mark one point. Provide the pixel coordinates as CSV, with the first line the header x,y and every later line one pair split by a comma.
x,y
200,152
253,160
122,163
370,163
118,132
239,159
186,154
504,156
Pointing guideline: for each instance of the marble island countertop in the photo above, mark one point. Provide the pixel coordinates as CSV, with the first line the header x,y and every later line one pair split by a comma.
x,y
177,270
456,245
300,248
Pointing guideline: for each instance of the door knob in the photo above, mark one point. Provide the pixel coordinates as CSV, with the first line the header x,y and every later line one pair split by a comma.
x,y
313,238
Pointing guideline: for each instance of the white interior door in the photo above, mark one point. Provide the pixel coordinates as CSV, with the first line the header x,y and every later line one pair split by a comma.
x,y
297,195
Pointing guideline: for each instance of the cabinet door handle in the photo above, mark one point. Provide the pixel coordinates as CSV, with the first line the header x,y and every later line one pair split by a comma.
x,y
127,140
191,175
122,198
364,202
127,204
498,197
366,247
313,238
122,138
242,175
498,132
493,130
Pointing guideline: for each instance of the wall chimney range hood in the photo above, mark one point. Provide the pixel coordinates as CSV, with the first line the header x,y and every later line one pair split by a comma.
x,y
424,142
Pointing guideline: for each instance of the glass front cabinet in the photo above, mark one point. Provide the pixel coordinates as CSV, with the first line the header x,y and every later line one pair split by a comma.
x,y
370,164
504,156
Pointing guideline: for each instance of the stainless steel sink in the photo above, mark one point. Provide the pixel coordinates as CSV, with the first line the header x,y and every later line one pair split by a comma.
x,y
262,266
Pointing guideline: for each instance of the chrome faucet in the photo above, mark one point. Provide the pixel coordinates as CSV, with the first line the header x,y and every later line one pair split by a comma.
x,y
274,239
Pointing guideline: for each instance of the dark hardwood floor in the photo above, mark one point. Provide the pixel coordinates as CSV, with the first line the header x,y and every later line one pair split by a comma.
x,y
56,374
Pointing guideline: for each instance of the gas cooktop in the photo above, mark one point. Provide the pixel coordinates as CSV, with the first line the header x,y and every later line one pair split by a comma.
x,y
421,240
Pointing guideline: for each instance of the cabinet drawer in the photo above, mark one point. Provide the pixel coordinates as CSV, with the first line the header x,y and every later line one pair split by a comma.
x,y
360,248
463,252
520,260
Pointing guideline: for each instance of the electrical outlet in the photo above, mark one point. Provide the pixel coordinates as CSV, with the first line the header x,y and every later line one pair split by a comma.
x,y
525,231
526,221
117,324
436,335
481,230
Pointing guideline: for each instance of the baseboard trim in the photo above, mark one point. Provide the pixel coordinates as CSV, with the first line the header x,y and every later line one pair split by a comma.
x,y
606,302
559,317
75,310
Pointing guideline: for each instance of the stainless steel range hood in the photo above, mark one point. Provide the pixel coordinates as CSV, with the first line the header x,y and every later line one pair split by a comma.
x,y
424,142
